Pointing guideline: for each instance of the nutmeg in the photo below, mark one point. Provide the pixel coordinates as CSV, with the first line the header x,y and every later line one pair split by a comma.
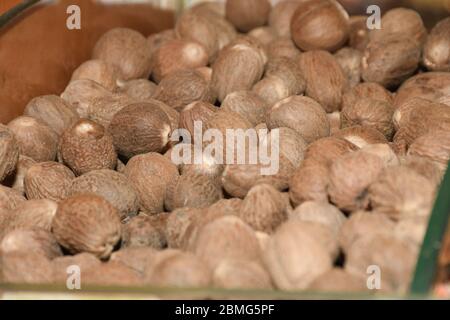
x,y
198,111
53,111
87,223
369,90
125,49
436,53
112,274
84,260
282,47
350,177
111,185
178,222
423,166
412,231
338,280
301,114
294,257
350,61
34,138
150,174
140,128
309,182
137,89
16,179
99,71
359,34
87,146
361,136
102,109
281,15
10,198
9,152
136,258
48,180
384,151
247,15
247,104
142,232
335,121
183,87
325,79
155,40
320,25
265,35
25,268
326,150
434,146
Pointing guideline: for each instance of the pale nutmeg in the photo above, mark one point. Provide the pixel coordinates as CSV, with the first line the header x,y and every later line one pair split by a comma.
x,y
99,71
247,15
436,53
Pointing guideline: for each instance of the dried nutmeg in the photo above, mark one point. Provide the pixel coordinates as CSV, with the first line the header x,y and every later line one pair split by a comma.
x,y
238,67
361,136
183,87
140,128
16,179
32,214
265,35
384,151
137,89
87,223
10,198
136,258
434,146
350,61
326,150
127,50
99,71
425,167
142,232
112,274
247,15
9,152
350,177
83,260
320,25
281,15
87,146
309,182
368,90
436,53
371,113
25,268
282,47
263,208
338,280
48,180
198,111
177,224
401,192
111,185
359,34
238,274
247,104
53,111
390,60
301,114
102,109
325,79
34,138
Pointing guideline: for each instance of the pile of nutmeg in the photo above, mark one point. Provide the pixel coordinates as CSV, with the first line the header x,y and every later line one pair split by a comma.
x,y
364,140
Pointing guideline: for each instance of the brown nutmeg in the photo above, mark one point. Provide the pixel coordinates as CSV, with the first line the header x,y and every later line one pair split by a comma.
x,y
111,185
434,146
281,15
183,87
102,109
125,49
32,214
401,192
81,93
384,151
338,280
48,180
359,34
301,114
138,89
423,166
282,47
390,60
136,258
436,53
247,15
9,152
198,111
53,111
60,265
25,268
140,128
112,274
350,61
325,79
263,208
175,55
247,104
99,71
34,138
87,223
141,231
38,241
371,113
265,35
369,90
16,179
150,174
155,40
335,121
350,177
10,198
87,146
309,182
361,136
326,150
178,223
320,25
238,274
238,67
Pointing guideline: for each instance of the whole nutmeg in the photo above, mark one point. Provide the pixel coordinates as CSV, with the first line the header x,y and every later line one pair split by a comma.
x,y
359,34
309,182
371,113
9,152
60,264
238,274
178,223
361,136
434,146
350,61
53,111
301,114
36,240
412,231
282,47
191,158
155,40
175,55
16,179
325,79
247,104
423,166
198,111
87,146
238,67
183,87
247,15
436,53
320,25
230,236
401,22
263,208
150,174
10,198
99,71
391,255
48,180
350,177
81,93
338,280
141,231
294,257
25,268
326,150
384,151
390,60
401,192
136,258
87,223
111,185
125,49
369,90
34,138
140,128
137,89
112,274
265,35
281,15
102,109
